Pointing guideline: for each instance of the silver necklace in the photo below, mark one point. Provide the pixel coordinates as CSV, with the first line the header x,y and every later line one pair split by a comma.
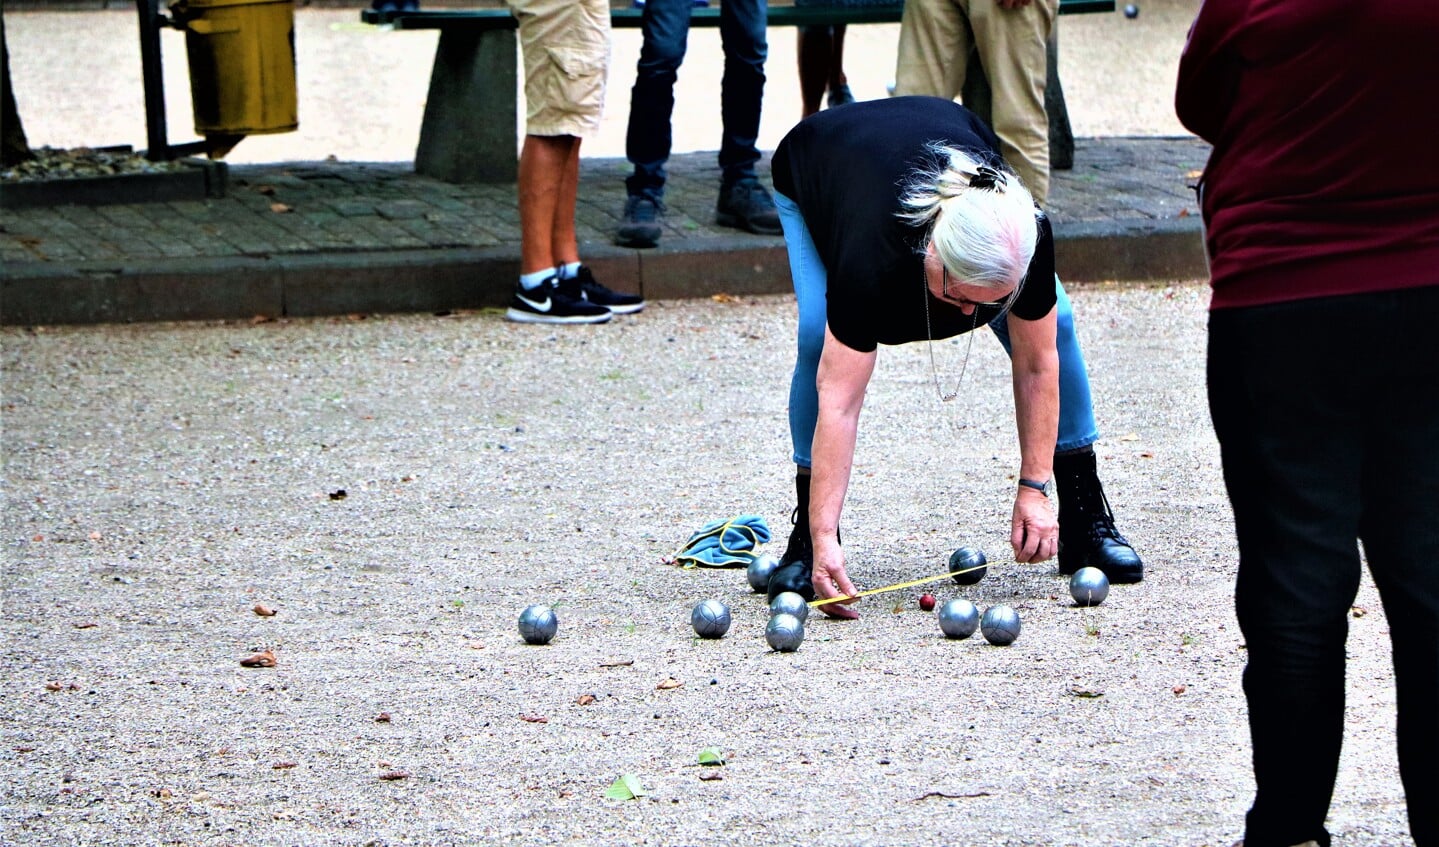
x,y
929,333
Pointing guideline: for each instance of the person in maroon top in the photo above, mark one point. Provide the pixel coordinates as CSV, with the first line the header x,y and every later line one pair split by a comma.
x,y
1321,211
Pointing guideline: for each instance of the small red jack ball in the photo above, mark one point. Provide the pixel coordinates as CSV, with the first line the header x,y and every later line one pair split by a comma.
x,y
927,602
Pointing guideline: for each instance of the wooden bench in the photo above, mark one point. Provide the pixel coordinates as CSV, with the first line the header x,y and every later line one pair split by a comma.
x,y
470,124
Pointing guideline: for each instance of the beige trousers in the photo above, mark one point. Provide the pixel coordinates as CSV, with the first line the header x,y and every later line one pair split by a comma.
x,y
935,40
566,47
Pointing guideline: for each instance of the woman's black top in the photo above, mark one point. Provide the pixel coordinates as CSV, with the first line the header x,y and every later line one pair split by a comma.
x,y
847,168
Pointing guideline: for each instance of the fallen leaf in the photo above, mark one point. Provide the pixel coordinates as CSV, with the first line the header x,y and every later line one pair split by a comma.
x,y
263,659
163,793
261,319
390,776
283,766
585,700
1146,455
94,536
534,718
1183,213
670,682
627,787
1129,436
38,538
1178,690
711,776
382,717
24,749
281,208
617,663
338,494
53,686
724,298
711,757
267,190
1085,692
264,611
1194,174
1358,611
85,625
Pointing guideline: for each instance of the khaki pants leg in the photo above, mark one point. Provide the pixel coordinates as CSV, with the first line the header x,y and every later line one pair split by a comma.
x,y
1012,44
934,39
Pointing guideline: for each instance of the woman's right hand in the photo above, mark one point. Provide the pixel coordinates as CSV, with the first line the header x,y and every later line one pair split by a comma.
x,y
830,579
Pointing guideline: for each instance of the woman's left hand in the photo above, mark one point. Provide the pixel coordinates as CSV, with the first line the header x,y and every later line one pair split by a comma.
x,y
1034,532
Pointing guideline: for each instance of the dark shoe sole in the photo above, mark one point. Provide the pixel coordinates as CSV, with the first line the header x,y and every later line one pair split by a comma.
x,y
641,238
1118,575
737,222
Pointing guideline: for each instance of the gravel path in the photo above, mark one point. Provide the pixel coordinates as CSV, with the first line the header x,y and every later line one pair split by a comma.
x,y
398,489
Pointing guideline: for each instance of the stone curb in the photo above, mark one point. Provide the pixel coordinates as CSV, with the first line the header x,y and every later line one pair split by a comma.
x,y
309,285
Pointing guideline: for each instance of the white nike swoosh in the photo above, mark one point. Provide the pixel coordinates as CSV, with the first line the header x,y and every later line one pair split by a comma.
x,y
536,305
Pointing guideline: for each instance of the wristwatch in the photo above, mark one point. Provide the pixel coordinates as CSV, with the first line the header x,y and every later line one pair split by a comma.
x,y
1041,487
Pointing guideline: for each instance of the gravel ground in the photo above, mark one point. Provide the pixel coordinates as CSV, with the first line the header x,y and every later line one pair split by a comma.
x,y
163,480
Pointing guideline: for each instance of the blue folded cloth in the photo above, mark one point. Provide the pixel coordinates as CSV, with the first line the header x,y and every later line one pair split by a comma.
x,y
729,543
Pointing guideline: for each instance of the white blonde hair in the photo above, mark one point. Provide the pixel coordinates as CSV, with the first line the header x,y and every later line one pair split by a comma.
x,y
982,220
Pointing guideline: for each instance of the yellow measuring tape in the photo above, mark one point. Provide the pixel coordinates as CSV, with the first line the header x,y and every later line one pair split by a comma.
x,y
897,586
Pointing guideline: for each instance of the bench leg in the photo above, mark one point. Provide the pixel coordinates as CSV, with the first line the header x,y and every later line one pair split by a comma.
x,y
977,97
469,133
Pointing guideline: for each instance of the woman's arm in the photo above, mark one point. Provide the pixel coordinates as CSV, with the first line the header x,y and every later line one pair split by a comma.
x,y
1034,531
843,376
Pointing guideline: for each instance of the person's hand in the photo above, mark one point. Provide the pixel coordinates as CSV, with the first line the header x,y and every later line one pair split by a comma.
x,y
830,579
1034,532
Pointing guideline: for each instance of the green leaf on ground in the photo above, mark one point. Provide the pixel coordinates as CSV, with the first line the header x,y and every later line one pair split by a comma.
x,y
627,787
711,756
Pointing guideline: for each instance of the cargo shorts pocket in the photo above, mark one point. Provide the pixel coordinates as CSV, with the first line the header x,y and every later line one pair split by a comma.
x,y
577,79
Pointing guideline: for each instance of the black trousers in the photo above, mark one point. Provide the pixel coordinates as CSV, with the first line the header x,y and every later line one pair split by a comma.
x,y
1327,414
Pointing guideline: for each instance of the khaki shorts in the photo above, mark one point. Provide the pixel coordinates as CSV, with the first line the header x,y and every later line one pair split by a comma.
x,y
566,46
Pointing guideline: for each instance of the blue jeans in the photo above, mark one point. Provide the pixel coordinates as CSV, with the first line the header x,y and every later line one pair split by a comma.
x,y
1076,409
666,28
1326,413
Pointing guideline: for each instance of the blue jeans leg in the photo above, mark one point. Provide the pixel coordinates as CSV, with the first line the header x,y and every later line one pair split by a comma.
x,y
665,25
810,287
742,34
1076,408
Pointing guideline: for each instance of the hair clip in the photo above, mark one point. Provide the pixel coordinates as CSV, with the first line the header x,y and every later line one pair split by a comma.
x,y
986,178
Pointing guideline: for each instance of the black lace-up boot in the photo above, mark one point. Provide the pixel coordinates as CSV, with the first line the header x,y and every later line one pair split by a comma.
x,y
795,569
1087,535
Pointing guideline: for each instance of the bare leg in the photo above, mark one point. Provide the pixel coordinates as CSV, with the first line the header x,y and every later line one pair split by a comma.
x,y
545,162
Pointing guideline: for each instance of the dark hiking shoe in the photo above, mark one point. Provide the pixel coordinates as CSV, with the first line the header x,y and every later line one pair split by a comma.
x,y
1087,534
641,225
746,205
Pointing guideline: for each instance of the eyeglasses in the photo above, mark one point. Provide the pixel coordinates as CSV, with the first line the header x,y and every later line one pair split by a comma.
x,y
961,300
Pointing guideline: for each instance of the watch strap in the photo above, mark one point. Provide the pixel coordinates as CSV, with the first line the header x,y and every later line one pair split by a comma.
x,y
1041,487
